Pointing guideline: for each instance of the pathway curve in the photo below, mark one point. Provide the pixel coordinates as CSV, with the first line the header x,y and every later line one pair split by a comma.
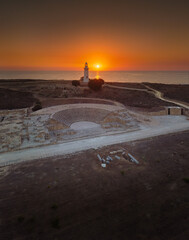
x,y
160,95
155,92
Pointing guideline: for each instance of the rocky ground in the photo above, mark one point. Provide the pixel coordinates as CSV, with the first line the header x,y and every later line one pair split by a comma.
x,y
73,197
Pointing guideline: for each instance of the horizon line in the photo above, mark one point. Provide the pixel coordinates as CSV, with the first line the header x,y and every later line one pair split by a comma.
x,y
61,70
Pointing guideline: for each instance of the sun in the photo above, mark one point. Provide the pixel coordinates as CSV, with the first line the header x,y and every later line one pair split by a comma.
x,y
97,67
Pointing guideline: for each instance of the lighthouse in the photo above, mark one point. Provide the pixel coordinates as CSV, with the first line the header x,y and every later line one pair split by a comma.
x,y
86,73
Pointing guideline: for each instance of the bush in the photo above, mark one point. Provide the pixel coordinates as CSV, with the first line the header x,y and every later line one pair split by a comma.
x,y
37,106
55,223
76,83
95,84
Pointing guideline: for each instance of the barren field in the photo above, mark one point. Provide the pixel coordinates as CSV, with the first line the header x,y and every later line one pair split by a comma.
x,y
136,99
14,99
129,85
73,197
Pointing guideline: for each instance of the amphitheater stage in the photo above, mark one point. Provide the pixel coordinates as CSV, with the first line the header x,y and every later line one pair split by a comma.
x,y
84,125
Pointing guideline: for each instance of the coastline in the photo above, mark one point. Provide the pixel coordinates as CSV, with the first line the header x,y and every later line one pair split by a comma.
x,y
167,77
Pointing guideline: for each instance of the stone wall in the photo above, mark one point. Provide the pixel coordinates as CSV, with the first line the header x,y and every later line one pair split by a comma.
x,y
174,111
186,112
169,111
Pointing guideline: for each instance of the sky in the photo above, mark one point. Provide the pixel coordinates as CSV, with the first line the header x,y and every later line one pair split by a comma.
x,y
116,35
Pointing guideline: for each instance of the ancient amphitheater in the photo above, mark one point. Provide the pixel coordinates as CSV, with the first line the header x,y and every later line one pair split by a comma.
x,y
62,123
88,119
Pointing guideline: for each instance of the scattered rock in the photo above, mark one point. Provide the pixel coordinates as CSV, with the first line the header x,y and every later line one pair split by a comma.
x,y
99,157
103,165
109,158
132,159
118,151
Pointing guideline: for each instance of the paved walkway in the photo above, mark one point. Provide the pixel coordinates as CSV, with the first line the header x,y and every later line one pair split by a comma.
x,y
96,142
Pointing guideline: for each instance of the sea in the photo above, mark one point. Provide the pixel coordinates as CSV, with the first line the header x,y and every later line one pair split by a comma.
x,y
167,77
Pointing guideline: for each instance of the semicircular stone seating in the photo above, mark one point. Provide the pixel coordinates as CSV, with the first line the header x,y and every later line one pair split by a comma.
x,y
69,116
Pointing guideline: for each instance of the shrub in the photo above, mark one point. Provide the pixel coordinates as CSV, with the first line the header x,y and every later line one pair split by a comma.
x,y
20,219
65,95
95,84
37,106
54,206
55,223
186,179
76,83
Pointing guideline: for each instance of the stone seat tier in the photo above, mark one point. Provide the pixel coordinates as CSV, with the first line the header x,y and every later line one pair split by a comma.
x,y
69,116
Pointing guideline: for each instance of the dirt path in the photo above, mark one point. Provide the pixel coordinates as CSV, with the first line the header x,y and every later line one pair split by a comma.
x,y
160,95
155,92
166,127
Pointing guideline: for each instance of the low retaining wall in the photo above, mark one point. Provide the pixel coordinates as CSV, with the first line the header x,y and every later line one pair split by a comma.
x,y
176,111
186,112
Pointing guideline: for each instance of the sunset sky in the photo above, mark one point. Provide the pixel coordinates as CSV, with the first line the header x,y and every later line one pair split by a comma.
x,y
117,35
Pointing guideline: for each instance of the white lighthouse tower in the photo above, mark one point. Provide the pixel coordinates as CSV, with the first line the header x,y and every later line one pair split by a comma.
x,y
86,73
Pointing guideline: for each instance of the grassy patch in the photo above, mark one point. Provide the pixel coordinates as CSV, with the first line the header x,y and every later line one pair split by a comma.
x,y
54,206
186,179
31,220
30,224
20,219
55,223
